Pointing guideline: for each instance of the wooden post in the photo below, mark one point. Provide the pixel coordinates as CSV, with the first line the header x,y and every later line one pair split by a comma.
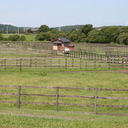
x,y
20,64
95,61
108,61
122,62
51,64
72,62
16,62
57,97
80,63
95,101
35,63
65,63
30,62
59,62
5,64
18,97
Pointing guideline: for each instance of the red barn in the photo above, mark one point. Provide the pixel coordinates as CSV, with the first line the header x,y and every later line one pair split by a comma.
x,y
60,43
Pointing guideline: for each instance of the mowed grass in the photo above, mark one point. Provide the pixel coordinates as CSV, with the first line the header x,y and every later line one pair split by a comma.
x,y
49,119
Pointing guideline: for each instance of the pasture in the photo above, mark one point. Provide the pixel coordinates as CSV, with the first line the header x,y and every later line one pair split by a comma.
x,y
28,37
30,114
27,118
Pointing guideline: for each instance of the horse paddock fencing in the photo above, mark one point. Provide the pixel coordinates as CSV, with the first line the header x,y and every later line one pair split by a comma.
x,y
22,63
60,97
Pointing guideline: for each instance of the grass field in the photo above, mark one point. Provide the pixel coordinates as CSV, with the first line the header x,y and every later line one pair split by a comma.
x,y
49,119
45,116
28,37
65,78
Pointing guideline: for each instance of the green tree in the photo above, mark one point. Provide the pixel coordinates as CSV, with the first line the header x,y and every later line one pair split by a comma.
x,y
14,38
43,28
81,37
29,30
111,33
124,29
22,38
43,36
62,34
123,38
10,37
95,36
86,29
1,37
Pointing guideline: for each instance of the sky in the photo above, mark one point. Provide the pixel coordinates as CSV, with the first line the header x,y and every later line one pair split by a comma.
x,y
57,13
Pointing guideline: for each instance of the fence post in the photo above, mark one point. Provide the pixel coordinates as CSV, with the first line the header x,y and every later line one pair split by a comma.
x,y
51,64
20,64
30,62
18,97
94,61
5,64
95,101
122,62
57,97
35,63
72,62
80,63
66,63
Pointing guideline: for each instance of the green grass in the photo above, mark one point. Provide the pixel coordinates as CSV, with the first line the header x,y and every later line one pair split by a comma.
x,y
58,77
45,116
65,78
28,37
49,119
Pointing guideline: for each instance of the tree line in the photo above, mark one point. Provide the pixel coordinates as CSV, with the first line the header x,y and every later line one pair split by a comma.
x,y
13,38
87,33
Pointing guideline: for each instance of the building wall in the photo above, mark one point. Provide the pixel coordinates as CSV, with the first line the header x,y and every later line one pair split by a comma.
x,y
54,46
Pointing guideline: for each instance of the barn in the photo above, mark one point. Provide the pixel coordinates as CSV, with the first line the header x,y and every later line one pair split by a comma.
x,y
60,43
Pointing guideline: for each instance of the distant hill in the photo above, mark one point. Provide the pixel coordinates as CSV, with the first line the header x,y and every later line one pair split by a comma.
x,y
10,28
68,28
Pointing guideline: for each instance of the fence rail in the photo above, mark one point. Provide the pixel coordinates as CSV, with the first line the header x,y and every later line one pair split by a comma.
x,y
62,62
58,96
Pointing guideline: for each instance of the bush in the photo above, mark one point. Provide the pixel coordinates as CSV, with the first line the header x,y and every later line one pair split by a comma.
x,y
16,38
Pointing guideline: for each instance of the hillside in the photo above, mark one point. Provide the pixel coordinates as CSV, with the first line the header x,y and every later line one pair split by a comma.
x,y
68,28
9,28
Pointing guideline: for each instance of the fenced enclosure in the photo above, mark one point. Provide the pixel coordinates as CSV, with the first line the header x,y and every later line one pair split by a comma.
x,y
90,99
63,62
24,52
32,55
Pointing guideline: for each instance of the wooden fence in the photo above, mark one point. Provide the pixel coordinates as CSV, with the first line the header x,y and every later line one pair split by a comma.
x,y
23,51
58,96
90,62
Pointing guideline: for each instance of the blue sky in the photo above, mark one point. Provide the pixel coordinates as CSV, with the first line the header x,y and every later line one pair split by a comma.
x,y
54,13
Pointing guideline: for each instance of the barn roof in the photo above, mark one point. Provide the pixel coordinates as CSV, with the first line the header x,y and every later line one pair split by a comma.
x,y
62,40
